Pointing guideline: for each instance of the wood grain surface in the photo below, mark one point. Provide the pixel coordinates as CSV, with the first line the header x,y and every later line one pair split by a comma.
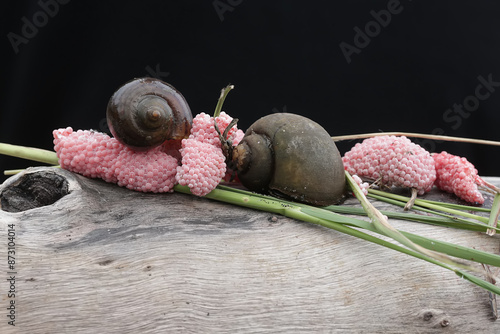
x,y
104,259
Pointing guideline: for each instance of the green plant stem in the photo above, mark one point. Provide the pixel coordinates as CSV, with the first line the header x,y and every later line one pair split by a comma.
x,y
417,135
459,222
457,206
29,153
10,172
465,253
222,98
382,225
432,206
326,214
333,221
440,220
444,220
269,204
495,212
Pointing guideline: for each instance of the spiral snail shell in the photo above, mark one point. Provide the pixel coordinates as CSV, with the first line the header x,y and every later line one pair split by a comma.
x,y
288,155
145,112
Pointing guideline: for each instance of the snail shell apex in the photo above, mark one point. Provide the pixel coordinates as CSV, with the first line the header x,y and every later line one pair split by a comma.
x,y
291,156
146,112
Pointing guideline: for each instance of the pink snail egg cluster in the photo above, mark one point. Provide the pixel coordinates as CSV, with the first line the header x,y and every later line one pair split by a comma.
x,y
203,163
203,166
392,161
459,176
197,162
97,155
203,129
362,185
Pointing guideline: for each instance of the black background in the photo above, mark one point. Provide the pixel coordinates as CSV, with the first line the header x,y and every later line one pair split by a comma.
x,y
280,55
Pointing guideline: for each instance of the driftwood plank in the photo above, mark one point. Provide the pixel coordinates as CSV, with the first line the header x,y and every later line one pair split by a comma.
x,y
103,259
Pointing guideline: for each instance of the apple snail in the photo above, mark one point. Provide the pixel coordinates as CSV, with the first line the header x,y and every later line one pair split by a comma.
x,y
146,112
288,155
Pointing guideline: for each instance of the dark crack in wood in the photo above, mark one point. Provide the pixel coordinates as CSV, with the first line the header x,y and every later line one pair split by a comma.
x,y
33,190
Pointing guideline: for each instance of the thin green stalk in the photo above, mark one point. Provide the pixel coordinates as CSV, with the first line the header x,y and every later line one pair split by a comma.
x,y
460,222
417,135
270,204
457,206
495,212
462,252
382,225
444,221
10,172
447,219
335,221
222,98
430,205
346,230
439,246
29,153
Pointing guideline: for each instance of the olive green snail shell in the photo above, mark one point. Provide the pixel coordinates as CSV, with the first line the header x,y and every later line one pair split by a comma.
x,y
290,156
145,112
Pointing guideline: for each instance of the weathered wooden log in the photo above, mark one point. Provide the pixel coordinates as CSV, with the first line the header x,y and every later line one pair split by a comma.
x,y
97,258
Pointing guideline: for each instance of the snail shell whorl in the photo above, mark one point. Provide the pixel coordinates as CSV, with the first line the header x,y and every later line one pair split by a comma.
x,y
300,162
254,159
146,112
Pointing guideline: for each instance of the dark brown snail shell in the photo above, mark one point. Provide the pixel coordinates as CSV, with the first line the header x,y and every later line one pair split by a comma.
x,y
146,112
290,156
